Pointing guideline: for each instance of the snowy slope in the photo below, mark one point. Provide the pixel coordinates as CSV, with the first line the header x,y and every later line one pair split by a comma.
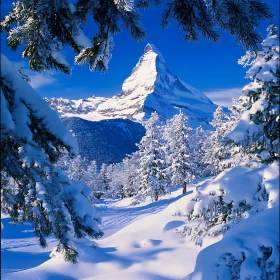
x,y
143,242
105,141
79,107
150,87
248,251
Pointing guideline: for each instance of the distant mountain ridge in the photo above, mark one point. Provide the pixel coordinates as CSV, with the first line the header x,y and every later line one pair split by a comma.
x,y
150,87
69,108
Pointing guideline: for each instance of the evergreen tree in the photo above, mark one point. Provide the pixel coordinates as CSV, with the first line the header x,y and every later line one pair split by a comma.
x,y
32,140
44,27
152,172
258,128
63,162
238,17
215,151
180,153
198,139
92,176
236,154
130,176
77,169
103,177
115,174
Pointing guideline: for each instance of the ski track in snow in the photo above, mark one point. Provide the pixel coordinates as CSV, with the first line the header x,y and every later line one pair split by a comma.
x,y
20,249
115,218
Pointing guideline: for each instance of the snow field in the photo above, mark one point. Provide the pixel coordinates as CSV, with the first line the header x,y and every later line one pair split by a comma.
x,y
143,241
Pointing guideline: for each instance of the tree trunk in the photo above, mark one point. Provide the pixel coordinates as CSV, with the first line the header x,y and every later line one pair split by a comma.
x,y
184,187
156,196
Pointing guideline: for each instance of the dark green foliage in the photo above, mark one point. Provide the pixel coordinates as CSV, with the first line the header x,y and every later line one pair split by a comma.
x,y
32,188
44,27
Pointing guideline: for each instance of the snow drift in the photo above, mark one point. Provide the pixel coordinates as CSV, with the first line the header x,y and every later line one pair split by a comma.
x,y
144,241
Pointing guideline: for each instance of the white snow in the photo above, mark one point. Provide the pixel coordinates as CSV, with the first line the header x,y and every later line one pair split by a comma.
x,y
259,106
25,97
271,182
244,127
241,184
142,241
245,238
6,118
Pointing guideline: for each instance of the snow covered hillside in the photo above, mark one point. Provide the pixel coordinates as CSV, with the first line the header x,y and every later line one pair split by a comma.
x,y
145,241
105,141
150,87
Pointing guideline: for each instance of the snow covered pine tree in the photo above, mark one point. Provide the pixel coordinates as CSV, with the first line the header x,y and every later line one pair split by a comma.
x,y
130,178
114,178
244,252
103,180
215,151
179,152
92,178
259,125
77,170
152,171
45,27
32,139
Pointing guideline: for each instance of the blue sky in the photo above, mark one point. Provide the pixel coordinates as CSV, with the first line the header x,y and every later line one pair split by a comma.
x,y
207,66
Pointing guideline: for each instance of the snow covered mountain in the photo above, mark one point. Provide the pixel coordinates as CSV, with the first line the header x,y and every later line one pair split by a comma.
x,y
150,87
78,108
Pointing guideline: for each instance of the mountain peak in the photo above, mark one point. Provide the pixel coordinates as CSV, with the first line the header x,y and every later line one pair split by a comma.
x,y
150,47
152,52
151,87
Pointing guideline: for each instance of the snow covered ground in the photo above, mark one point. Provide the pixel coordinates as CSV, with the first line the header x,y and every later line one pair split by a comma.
x,y
142,241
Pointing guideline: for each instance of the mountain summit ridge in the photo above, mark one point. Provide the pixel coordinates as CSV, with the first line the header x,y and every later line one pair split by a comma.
x,y
150,87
